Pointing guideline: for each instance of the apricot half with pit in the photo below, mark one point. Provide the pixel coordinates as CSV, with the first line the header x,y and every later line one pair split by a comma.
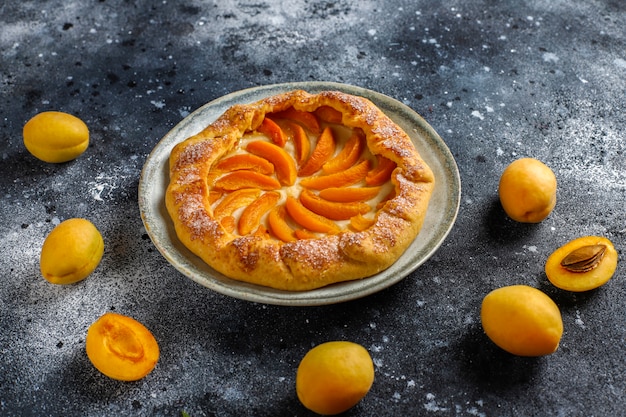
x,y
582,264
71,252
56,137
121,347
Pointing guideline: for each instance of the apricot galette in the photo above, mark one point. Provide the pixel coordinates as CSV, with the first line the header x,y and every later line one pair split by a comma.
x,y
298,191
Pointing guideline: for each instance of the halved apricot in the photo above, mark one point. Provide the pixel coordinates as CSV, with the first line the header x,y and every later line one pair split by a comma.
x,y
246,161
271,129
309,220
349,194
300,139
331,209
121,348
360,222
279,226
582,264
284,164
306,119
246,179
340,179
234,201
328,114
323,151
348,156
381,173
251,216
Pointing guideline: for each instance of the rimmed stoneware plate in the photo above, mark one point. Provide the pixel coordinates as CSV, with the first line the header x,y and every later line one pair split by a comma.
x,y
439,220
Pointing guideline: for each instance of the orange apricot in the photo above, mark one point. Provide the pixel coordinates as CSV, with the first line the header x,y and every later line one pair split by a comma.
x,y
246,161
284,164
306,119
305,234
121,348
328,114
271,129
300,140
381,173
308,219
360,222
215,195
323,151
348,156
349,194
340,179
235,200
278,224
330,209
246,179
582,264
251,216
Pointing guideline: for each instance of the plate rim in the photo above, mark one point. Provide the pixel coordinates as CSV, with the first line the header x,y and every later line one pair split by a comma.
x,y
324,295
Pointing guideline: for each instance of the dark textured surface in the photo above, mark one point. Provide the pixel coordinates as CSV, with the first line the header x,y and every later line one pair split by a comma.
x,y
497,80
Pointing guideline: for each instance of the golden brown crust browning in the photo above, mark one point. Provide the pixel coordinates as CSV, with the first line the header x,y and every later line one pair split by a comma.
x,y
303,264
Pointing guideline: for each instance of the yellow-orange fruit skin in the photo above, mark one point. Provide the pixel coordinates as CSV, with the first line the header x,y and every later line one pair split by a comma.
x,y
56,137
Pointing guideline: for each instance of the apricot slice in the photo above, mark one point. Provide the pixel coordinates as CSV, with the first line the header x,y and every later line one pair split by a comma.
x,y
246,179
246,161
328,114
279,226
582,264
349,194
330,209
305,234
381,173
56,137
215,195
306,119
360,222
340,179
71,251
234,201
300,139
271,129
284,164
251,216
121,348
348,156
308,219
323,151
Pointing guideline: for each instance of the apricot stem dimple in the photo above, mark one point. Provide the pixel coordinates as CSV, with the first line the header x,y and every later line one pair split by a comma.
x,y
122,341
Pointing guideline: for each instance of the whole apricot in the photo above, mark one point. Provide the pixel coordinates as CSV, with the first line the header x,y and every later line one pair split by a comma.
x,y
527,190
71,251
334,376
121,348
522,320
56,136
582,264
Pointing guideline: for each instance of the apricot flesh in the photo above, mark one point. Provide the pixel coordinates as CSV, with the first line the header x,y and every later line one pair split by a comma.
x,y
121,348
527,190
566,279
71,251
522,320
56,137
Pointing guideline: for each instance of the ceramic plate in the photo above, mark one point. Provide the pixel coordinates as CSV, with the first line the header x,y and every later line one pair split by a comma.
x,y
439,220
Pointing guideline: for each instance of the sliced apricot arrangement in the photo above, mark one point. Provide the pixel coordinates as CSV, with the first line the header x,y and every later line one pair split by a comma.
x,y
121,348
582,264
338,179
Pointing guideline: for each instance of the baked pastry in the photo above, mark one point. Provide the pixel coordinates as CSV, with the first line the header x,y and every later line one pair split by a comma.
x,y
298,191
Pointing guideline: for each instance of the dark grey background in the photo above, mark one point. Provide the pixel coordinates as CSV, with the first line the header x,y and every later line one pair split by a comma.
x,y
497,79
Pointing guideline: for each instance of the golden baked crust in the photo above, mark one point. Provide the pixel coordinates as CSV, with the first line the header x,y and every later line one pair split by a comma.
x,y
302,263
